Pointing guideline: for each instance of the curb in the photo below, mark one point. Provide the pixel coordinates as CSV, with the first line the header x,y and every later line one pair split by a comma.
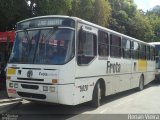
x,y
10,100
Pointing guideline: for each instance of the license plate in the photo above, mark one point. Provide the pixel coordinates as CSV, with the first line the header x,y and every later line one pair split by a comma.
x,y
12,91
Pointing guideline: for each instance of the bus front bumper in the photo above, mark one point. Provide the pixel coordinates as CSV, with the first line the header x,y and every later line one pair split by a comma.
x,y
61,94
46,93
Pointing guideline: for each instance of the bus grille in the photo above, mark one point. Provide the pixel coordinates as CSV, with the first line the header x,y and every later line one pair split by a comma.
x,y
32,95
30,79
34,87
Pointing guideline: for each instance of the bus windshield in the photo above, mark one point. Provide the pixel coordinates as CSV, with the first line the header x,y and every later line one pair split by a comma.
x,y
43,46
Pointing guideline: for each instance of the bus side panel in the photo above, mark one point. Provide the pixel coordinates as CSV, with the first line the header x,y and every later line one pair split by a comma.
x,y
83,90
65,94
67,83
84,87
124,75
135,74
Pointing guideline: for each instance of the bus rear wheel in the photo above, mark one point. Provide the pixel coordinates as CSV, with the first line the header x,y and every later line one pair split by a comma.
x,y
96,96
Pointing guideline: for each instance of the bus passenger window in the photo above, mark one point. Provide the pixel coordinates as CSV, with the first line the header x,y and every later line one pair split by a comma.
x,y
135,50
103,46
148,53
152,53
126,48
115,46
142,51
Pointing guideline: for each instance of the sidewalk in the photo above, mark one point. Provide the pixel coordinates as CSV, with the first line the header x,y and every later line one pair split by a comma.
x,y
4,97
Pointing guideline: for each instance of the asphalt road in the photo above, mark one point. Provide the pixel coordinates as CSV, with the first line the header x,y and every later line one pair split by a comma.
x,y
118,106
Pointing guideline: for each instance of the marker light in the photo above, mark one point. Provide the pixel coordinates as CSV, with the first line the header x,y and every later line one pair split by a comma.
x,y
16,85
11,85
52,89
54,81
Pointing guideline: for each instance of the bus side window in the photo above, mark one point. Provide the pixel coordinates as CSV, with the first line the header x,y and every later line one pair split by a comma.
x,y
152,53
87,47
103,44
142,51
126,48
147,52
135,50
115,43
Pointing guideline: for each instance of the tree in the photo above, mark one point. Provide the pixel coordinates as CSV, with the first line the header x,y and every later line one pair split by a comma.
x,y
154,18
140,27
96,11
122,12
83,9
12,11
102,12
52,7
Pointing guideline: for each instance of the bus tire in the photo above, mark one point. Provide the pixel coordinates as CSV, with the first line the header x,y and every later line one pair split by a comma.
x,y
141,83
96,97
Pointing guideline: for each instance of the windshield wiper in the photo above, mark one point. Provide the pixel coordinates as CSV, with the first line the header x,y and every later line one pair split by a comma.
x,y
47,36
28,41
52,31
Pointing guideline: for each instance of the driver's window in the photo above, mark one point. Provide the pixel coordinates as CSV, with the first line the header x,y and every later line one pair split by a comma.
x,y
87,48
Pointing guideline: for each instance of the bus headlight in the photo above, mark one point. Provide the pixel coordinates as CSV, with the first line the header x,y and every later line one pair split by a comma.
x,y
52,89
45,88
11,85
16,85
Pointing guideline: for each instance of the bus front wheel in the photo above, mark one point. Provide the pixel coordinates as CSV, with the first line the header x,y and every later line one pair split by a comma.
x,y
96,96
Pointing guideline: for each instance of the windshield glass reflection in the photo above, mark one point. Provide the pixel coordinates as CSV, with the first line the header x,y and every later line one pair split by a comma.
x,y
47,46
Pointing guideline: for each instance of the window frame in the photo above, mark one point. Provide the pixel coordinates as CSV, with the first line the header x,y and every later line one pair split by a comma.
x,y
118,46
124,48
81,57
105,44
134,51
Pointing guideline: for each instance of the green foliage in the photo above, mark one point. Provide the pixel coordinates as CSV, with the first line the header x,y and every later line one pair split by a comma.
x,y
52,7
122,12
102,12
96,11
140,28
154,18
83,9
12,11
118,15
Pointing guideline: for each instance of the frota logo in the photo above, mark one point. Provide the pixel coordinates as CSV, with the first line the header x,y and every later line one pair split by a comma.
x,y
42,74
113,67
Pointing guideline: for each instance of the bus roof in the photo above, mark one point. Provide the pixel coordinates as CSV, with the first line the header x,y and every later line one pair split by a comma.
x,y
84,21
154,43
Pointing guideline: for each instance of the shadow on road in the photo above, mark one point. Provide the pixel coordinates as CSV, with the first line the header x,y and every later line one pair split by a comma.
x,y
111,98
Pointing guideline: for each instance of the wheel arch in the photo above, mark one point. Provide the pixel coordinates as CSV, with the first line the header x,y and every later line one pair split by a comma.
x,y
102,86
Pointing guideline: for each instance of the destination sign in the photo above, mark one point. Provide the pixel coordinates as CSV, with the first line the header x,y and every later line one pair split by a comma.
x,y
45,22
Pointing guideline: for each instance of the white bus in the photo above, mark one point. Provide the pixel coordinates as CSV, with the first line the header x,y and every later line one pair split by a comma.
x,y
67,60
157,57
